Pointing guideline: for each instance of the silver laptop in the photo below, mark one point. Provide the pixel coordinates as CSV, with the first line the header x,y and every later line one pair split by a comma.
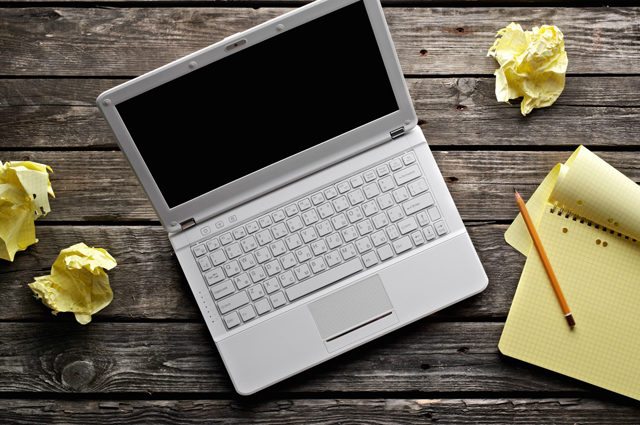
x,y
300,197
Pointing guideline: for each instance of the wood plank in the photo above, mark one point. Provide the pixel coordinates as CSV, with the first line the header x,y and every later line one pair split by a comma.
x,y
100,186
180,358
148,283
57,113
433,41
569,411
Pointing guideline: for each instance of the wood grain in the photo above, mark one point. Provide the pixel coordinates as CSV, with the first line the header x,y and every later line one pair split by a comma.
x,y
149,285
180,358
61,113
519,411
429,41
100,186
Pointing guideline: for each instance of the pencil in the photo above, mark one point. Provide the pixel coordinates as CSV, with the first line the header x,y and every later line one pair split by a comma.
x,y
545,260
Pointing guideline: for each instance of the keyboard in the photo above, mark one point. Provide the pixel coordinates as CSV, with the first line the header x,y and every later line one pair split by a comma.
x,y
282,256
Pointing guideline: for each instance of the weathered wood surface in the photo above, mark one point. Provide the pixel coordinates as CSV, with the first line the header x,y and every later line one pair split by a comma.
x,y
158,357
100,186
500,411
434,41
148,282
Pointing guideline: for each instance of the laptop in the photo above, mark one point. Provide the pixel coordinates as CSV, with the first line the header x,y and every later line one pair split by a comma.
x,y
299,195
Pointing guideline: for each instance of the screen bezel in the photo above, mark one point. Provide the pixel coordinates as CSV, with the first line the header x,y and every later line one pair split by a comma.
x,y
279,173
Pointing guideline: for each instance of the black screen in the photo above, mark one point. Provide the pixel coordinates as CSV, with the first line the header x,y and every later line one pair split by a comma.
x,y
260,105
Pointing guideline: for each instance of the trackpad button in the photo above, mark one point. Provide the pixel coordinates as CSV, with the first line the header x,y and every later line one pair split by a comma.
x,y
353,313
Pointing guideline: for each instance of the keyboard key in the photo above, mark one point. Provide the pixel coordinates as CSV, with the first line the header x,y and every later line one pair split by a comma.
x,y
407,225
223,289
324,228
233,250
304,204
271,286
233,302
320,281
325,210
408,158
247,313
385,201
247,261
386,184
344,187
380,220
395,164
199,250
340,204
253,227
278,248
356,181
303,254
249,244
429,233
417,237
318,265
334,241
273,267
339,221
239,233
263,255
214,276
279,230
363,245
295,224
310,217
293,241
378,238
231,268
417,187
356,197
265,221
406,175
434,213
349,234
317,198
400,194
370,259
347,251
257,274
302,271
423,218
218,257
309,234
392,232
441,228
403,244
365,227
395,213
242,281
371,190
256,292
291,209
262,306
205,263
355,214
319,247
288,260
278,216
418,203
385,252
213,244
226,239
278,299
382,170
287,279
232,320
369,175
264,237
370,208
333,258
330,193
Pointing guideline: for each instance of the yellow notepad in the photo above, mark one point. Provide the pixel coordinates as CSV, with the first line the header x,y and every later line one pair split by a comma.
x,y
588,216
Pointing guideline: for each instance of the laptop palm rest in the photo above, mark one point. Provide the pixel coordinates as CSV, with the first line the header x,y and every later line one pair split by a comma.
x,y
353,313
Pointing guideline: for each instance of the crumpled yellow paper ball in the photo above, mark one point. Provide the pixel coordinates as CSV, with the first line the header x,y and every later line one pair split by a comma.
x,y
532,65
24,190
78,282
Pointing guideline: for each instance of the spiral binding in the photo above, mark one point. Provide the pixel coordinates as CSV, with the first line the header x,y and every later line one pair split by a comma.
x,y
561,210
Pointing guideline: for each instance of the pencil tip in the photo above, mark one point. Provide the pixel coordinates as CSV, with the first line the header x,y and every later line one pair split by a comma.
x,y
570,321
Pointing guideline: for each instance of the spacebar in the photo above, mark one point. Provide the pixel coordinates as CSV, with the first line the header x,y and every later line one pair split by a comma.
x,y
320,281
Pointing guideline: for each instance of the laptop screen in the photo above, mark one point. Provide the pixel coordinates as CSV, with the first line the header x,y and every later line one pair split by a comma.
x,y
260,105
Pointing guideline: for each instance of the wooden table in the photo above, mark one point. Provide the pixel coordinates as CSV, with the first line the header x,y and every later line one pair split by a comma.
x,y
148,356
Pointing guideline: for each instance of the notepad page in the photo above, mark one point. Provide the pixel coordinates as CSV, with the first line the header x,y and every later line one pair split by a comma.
x,y
600,276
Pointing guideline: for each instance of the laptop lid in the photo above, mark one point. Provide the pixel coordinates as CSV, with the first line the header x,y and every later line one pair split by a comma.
x,y
261,109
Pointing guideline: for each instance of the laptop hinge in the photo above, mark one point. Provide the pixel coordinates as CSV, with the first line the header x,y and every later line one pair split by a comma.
x,y
187,223
397,132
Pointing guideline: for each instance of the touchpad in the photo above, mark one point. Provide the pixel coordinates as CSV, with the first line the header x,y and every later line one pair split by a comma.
x,y
352,309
